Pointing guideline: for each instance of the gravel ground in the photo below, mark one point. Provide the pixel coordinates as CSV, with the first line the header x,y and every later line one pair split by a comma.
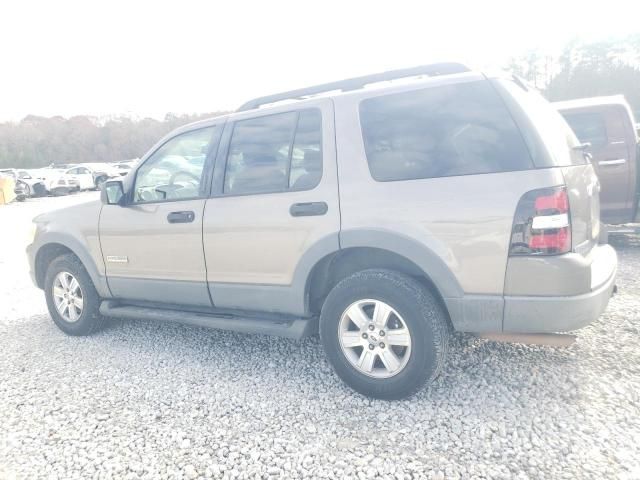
x,y
149,400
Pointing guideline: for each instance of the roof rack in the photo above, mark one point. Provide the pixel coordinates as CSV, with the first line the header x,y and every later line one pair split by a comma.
x,y
356,83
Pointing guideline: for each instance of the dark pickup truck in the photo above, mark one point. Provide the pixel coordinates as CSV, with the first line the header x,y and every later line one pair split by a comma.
x,y
608,126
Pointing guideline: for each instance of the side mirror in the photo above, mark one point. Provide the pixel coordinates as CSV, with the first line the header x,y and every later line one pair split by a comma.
x,y
113,193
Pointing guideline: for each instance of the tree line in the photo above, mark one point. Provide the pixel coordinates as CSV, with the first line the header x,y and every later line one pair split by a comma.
x,y
40,141
608,67
581,70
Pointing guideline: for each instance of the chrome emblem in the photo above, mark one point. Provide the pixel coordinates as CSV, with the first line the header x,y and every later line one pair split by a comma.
x,y
117,259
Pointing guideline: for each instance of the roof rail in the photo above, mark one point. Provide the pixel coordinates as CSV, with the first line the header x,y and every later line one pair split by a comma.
x,y
356,83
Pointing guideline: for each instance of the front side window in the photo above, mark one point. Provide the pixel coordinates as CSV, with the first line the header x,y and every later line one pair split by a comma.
x,y
275,153
588,127
459,129
175,170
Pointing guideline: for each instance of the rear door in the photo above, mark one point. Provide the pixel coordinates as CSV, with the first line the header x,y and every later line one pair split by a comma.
x,y
604,128
275,200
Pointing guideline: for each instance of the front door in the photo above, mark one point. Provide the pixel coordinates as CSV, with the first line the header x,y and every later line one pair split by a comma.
x,y
274,206
152,247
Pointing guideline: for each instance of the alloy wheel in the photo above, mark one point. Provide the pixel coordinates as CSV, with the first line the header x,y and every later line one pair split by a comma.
x,y
374,338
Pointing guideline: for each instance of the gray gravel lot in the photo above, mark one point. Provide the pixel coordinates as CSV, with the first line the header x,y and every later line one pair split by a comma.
x,y
149,400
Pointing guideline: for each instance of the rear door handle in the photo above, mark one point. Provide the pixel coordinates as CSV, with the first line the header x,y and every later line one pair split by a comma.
x,y
181,217
608,163
309,209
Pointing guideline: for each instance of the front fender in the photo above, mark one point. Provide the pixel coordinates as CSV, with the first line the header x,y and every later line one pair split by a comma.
x,y
75,229
78,248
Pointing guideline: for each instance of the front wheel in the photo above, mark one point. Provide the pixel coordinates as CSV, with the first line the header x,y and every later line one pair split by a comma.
x,y
385,334
72,300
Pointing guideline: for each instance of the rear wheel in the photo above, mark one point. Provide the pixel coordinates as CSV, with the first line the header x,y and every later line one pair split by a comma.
x,y
385,334
72,300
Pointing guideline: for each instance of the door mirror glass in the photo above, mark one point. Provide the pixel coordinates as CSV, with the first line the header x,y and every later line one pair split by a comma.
x,y
113,193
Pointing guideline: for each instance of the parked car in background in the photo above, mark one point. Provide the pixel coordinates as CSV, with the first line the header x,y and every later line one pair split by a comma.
x,y
608,126
380,217
83,175
22,191
29,186
124,167
100,172
58,181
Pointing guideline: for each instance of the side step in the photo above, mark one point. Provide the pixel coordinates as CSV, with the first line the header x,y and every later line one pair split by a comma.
x,y
295,328
548,339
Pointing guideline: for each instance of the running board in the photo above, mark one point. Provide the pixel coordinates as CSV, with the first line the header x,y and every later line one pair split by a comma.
x,y
548,339
296,328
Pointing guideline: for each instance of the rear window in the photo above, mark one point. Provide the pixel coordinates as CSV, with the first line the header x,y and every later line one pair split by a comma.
x,y
461,129
588,127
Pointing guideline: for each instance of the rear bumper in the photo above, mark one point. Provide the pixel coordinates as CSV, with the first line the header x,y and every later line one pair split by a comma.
x,y
545,314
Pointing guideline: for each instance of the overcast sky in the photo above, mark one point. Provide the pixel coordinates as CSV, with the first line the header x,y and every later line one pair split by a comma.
x,y
148,58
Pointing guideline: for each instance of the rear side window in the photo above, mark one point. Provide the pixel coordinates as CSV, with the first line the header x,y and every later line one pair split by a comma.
x,y
460,129
588,127
275,153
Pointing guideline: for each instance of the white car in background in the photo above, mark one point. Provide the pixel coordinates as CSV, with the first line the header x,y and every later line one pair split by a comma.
x,y
100,172
58,181
125,167
84,176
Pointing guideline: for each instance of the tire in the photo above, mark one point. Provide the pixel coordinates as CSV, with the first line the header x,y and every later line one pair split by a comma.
x,y
412,305
89,319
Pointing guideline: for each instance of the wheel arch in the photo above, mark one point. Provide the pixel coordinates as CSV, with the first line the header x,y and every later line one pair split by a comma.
x,y
374,249
54,245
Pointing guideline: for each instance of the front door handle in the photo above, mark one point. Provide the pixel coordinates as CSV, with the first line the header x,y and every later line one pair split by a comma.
x,y
309,209
181,217
609,163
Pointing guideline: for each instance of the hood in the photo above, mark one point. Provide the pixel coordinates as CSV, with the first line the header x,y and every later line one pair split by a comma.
x,y
73,217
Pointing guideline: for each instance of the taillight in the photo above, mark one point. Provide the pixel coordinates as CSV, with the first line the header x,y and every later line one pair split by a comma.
x,y
542,223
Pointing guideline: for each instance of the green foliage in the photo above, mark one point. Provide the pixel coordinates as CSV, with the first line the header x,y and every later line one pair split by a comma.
x,y
39,141
609,67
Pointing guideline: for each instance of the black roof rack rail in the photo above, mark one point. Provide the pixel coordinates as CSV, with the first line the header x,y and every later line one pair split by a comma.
x,y
356,83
